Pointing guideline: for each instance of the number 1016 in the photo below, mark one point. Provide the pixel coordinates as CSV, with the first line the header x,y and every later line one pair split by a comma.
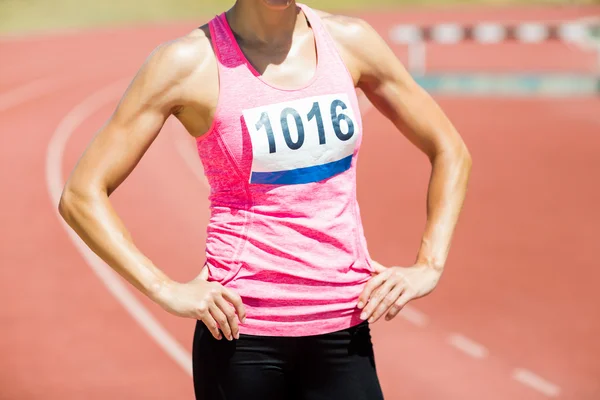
x,y
314,114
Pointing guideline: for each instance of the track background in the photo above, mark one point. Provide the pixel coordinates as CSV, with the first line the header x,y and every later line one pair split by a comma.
x,y
517,295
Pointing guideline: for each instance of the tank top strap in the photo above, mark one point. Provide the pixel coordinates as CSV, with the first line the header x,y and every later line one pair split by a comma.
x,y
327,50
224,43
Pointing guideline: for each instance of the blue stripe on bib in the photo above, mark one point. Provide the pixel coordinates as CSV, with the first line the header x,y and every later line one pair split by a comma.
x,y
302,175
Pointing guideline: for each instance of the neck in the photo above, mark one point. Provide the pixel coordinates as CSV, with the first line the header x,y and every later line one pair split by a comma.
x,y
254,22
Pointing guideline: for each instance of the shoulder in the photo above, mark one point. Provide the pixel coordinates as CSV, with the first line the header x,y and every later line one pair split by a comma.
x,y
344,26
178,59
356,40
169,78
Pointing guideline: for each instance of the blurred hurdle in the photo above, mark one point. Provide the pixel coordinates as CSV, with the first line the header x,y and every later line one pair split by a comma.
x,y
585,33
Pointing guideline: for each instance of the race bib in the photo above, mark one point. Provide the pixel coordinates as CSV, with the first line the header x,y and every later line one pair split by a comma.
x,y
301,141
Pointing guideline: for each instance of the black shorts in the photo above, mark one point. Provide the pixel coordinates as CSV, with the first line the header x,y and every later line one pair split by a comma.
x,y
333,366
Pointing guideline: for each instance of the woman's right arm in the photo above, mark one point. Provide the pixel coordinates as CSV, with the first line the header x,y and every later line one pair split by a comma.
x,y
156,92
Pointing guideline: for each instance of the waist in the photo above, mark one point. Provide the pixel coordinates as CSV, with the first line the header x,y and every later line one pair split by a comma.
x,y
280,304
308,233
286,247
298,273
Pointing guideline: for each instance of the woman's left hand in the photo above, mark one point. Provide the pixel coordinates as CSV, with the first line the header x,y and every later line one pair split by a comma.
x,y
388,291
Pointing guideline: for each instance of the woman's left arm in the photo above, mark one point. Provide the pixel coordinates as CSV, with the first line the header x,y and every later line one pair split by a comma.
x,y
392,90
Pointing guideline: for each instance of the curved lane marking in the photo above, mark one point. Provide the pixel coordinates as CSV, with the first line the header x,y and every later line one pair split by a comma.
x,y
114,283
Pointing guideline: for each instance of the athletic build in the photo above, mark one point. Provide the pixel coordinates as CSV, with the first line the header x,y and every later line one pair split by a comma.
x,y
283,309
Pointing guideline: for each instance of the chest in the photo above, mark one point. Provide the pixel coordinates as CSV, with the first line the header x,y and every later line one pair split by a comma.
x,y
283,140
287,66
285,117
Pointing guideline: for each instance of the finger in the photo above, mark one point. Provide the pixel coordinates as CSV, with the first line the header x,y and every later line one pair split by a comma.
x,y
211,324
221,319
399,305
376,298
371,285
229,312
236,301
387,302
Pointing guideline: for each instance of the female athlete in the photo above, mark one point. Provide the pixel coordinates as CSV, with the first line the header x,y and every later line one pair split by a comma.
x,y
287,293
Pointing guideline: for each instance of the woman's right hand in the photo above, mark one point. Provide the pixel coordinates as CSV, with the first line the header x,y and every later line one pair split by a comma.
x,y
216,306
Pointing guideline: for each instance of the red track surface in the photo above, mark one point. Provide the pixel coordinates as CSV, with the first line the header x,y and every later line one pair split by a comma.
x,y
520,280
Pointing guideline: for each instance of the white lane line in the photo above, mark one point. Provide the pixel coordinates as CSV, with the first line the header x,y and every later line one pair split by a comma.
x,y
114,283
467,346
414,316
26,92
536,382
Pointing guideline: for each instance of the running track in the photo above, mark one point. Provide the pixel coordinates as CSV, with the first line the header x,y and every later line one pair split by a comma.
x,y
515,317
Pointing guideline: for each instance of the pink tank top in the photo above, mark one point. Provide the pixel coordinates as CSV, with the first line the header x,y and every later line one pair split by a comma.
x,y
285,230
